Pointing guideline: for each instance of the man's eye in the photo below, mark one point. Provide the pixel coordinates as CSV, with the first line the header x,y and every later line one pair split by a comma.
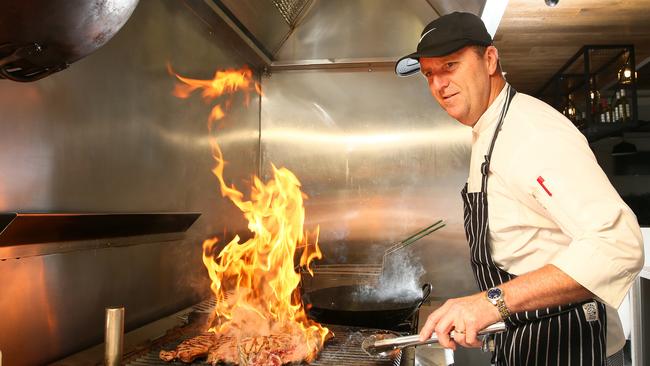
x,y
428,74
450,65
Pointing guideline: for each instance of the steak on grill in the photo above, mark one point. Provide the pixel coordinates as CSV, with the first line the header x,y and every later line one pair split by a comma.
x,y
190,349
272,350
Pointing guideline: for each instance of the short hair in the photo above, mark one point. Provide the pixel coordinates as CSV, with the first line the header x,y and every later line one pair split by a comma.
x,y
480,51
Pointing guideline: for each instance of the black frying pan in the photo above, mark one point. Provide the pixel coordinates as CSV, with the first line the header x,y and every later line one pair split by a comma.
x,y
360,305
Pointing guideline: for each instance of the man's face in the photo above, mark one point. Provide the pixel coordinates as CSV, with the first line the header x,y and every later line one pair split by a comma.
x,y
460,82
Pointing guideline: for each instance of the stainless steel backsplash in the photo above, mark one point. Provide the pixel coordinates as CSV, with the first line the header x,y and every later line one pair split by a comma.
x,y
107,135
379,160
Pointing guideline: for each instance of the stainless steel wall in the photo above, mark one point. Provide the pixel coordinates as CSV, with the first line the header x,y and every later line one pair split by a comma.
x,y
357,29
379,159
107,135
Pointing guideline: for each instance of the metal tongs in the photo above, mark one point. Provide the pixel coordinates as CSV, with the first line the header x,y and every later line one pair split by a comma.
x,y
413,238
380,345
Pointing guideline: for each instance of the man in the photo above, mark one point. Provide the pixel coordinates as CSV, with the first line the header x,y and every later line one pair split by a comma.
x,y
561,249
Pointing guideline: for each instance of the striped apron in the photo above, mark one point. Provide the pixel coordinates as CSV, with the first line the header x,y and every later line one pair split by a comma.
x,y
572,334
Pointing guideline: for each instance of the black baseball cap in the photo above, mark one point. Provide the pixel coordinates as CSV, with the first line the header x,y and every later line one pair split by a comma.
x,y
443,36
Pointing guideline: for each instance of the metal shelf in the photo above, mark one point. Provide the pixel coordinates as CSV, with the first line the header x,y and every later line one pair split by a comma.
x,y
592,68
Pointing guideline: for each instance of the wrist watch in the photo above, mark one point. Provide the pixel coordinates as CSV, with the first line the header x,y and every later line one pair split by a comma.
x,y
495,296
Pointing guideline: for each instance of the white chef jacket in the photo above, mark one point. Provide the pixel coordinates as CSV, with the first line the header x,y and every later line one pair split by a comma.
x,y
550,202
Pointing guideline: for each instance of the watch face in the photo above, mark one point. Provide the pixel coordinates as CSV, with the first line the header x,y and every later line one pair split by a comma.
x,y
494,293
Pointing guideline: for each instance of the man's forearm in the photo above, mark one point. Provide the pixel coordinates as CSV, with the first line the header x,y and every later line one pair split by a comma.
x,y
545,287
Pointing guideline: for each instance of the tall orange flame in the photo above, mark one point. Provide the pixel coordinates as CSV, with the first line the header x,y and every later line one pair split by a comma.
x,y
256,282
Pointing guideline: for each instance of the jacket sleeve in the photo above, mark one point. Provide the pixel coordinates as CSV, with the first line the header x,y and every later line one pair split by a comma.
x,y
606,250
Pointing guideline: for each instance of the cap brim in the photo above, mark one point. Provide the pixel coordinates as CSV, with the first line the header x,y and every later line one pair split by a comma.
x,y
410,64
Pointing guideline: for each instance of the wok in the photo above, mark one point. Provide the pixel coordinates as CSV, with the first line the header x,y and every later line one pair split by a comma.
x,y
362,305
40,37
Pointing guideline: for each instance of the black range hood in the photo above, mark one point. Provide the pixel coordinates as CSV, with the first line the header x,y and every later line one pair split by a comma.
x,y
37,228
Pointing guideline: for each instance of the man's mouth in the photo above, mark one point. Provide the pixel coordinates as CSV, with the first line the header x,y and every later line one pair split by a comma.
x,y
447,97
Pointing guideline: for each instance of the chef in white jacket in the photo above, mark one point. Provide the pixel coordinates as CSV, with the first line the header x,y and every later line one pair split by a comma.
x,y
556,250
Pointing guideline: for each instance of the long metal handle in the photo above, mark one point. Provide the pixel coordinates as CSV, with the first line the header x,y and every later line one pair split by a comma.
x,y
415,237
114,331
414,340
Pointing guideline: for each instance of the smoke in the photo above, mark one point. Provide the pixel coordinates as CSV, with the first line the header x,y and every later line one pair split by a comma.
x,y
399,280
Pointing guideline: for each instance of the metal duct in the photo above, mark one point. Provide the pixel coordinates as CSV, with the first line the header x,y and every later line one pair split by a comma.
x,y
295,33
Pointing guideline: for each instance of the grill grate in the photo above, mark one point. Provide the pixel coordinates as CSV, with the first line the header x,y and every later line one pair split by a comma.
x,y
290,9
343,349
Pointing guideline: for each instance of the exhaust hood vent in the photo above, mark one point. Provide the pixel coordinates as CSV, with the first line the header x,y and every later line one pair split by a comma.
x,y
291,9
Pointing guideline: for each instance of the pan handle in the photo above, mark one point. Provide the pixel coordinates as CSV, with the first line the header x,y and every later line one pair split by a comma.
x,y
426,291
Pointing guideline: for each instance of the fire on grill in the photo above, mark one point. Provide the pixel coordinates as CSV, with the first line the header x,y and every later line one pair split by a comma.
x,y
259,318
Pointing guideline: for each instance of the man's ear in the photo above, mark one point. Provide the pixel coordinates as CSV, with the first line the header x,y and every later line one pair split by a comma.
x,y
492,58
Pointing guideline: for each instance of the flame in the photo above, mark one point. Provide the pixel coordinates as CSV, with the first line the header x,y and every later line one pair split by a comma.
x,y
256,282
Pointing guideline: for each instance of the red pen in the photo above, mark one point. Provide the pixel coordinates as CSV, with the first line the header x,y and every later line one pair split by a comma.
x,y
540,180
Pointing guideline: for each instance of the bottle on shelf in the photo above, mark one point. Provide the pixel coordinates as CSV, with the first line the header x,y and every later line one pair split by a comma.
x,y
570,110
616,108
625,110
601,116
582,120
594,100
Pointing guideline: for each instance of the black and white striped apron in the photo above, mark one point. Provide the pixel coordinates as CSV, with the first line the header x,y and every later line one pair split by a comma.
x,y
572,334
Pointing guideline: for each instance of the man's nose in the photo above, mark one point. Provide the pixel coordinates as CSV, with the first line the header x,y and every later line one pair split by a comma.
x,y
439,82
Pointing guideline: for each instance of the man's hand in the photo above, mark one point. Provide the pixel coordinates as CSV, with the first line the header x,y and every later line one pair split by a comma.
x,y
466,315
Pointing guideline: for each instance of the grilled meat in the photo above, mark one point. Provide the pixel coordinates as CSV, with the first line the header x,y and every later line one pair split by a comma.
x,y
273,350
190,349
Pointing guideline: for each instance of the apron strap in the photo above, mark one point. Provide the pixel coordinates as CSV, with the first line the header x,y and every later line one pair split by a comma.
x,y
485,167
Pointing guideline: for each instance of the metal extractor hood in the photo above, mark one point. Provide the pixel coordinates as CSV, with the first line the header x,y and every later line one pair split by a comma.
x,y
321,33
